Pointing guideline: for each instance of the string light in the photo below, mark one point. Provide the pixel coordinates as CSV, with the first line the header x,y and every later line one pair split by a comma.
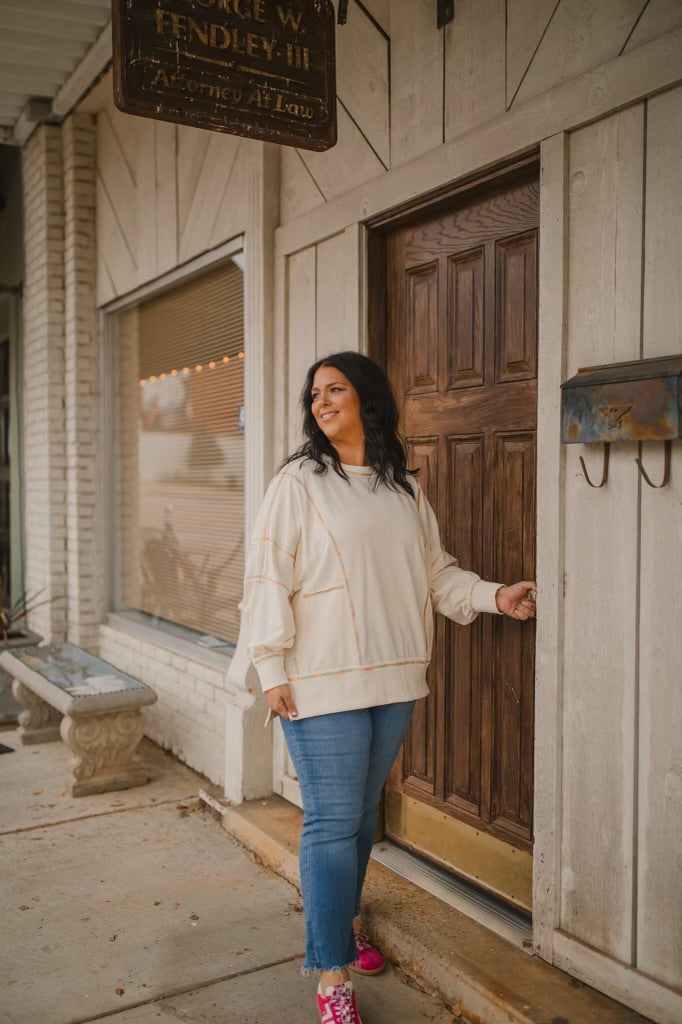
x,y
186,370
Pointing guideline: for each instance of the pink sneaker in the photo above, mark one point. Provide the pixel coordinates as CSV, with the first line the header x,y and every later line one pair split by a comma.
x,y
370,960
337,1004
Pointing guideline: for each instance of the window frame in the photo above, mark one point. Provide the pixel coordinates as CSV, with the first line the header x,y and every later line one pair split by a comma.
x,y
111,456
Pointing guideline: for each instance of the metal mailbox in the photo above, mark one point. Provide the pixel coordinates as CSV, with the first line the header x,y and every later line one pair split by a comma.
x,y
635,401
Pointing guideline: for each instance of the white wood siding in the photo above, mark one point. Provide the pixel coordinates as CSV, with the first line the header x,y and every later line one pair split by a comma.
x,y
417,51
474,65
494,56
613,750
323,300
659,776
527,22
606,166
598,85
165,194
658,17
362,79
302,331
580,34
619,834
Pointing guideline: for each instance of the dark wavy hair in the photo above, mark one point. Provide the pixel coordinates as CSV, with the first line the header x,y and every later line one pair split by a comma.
x,y
384,450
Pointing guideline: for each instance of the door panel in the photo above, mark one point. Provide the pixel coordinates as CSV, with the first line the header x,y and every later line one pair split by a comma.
x,y
422,324
516,319
462,765
461,355
514,648
420,743
465,320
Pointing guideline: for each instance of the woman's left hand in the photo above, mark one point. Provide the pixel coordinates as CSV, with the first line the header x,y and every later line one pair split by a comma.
x,y
515,602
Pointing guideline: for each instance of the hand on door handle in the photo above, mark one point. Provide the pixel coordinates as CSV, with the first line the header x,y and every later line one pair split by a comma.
x,y
518,600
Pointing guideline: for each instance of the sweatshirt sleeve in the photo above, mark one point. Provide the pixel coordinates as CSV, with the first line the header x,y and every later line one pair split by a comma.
x,y
456,593
267,616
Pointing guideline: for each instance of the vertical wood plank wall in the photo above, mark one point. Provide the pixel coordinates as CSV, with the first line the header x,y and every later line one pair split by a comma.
x,y
620,799
165,194
659,757
323,286
621,879
605,184
406,92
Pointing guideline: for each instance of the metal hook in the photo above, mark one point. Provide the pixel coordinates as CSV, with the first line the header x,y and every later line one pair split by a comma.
x,y
343,12
666,467
605,467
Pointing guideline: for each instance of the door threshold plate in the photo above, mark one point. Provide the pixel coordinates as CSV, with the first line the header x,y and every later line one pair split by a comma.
x,y
500,918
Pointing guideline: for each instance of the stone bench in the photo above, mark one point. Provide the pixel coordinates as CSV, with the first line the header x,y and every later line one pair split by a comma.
x,y
96,710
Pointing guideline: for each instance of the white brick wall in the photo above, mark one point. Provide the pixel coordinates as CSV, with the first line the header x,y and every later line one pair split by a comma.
x,y
82,385
189,716
61,383
43,405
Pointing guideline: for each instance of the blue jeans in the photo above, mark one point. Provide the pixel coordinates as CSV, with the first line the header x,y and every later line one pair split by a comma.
x,y
342,761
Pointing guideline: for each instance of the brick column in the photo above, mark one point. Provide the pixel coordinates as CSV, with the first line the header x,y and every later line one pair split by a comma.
x,y
82,384
43,399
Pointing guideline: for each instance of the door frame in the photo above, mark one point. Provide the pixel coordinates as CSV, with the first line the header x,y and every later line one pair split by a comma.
x,y
431,204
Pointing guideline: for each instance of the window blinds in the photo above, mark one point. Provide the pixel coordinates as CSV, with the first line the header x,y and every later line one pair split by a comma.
x,y
181,438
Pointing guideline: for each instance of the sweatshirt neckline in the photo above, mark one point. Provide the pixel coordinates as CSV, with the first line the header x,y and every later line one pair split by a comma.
x,y
358,470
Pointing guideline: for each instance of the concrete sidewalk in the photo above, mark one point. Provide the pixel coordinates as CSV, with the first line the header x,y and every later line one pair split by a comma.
x,y
134,907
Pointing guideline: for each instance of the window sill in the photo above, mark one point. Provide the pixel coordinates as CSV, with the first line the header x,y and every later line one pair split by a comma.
x,y
161,638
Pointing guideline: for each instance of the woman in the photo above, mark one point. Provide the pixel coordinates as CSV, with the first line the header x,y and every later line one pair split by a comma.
x,y
343,574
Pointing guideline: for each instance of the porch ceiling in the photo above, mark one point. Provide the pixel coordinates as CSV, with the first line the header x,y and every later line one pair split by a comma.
x,y
41,43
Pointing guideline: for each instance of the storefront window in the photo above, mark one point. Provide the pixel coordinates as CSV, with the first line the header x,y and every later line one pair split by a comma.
x,y
181,454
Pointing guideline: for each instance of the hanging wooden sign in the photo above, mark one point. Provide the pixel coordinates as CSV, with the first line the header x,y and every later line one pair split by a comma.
x,y
257,68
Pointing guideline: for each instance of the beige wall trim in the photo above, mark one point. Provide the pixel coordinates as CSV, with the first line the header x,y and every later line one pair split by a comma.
x,y
84,74
641,72
248,746
621,982
262,215
550,542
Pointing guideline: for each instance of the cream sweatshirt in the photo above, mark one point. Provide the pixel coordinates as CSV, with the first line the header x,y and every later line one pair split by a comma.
x,y
340,587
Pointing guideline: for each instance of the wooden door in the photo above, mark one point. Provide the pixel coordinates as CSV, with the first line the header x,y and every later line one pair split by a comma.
x,y
461,353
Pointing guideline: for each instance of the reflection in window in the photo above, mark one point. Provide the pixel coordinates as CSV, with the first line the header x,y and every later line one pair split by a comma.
x,y
181,451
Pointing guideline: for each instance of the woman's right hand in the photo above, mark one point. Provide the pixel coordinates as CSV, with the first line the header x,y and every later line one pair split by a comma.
x,y
281,702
